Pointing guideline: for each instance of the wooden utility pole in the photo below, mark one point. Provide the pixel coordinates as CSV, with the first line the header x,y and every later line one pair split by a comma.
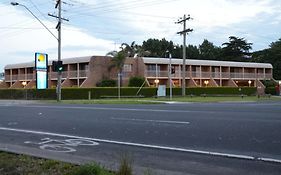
x,y
184,33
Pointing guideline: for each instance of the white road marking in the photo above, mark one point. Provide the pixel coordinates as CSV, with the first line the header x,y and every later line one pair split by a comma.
x,y
246,157
12,123
155,121
115,109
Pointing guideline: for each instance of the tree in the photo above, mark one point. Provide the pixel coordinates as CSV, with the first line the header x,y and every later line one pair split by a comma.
x,y
134,50
192,52
118,60
237,49
271,55
136,81
158,48
208,51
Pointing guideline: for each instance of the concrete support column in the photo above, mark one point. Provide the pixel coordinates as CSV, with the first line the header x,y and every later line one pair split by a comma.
x,y
220,76
78,74
200,73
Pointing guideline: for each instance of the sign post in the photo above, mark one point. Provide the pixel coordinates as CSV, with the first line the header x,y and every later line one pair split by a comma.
x,y
41,67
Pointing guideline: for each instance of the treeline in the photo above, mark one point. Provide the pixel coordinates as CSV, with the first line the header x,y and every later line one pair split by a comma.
x,y
236,49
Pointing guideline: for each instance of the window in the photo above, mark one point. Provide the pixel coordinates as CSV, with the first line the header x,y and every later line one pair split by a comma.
x,y
127,68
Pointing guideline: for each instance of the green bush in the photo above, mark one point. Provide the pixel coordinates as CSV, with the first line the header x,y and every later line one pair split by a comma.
x,y
99,92
136,81
90,169
271,90
269,83
106,83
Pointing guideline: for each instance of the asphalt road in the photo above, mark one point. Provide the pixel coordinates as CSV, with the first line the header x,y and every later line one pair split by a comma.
x,y
194,138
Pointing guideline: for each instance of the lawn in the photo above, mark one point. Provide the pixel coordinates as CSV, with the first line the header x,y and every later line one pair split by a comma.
x,y
174,99
16,164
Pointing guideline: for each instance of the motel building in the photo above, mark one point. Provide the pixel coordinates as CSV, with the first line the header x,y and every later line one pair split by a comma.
x,y
85,72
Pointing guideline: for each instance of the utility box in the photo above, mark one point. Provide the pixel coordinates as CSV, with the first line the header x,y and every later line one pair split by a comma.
x,y
161,91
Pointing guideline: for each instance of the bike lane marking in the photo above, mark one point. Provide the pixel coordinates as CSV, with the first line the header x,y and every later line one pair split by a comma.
x,y
65,145
239,156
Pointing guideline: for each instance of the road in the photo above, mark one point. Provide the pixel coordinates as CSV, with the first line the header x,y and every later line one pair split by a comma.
x,y
192,138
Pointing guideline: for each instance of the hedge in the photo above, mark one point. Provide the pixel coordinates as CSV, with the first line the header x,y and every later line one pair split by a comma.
x,y
271,90
99,92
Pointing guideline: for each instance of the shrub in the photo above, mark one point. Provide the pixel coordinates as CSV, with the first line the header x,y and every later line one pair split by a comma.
x,y
269,83
271,90
90,169
106,83
136,81
125,167
98,92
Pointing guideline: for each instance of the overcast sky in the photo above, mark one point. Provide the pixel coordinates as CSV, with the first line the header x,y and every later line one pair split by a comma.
x,y
99,26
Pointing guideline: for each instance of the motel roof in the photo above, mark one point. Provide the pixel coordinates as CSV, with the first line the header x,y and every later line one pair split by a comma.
x,y
151,60
65,61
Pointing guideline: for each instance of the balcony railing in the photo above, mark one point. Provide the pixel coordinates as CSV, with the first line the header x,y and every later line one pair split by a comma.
x,y
83,73
165,74
21,77
237,75
202,75
51,75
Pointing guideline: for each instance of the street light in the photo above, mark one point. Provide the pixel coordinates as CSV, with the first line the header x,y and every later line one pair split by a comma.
x,y
24,83
58,91
18,4
206,82
156,81
170,74
249,82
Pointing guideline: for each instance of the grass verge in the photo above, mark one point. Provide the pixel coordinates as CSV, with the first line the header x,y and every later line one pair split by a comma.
x,y
174,99
13,164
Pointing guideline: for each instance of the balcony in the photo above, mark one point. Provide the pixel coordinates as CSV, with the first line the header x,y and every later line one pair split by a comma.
x,y
21,77
215,74
237,75
83,73
70,74
203,75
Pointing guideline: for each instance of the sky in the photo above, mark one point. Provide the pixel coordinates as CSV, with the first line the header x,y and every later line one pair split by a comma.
x,y
97,27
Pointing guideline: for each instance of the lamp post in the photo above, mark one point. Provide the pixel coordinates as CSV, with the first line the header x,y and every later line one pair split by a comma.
x,y
119,85
18,4
58,91
170,76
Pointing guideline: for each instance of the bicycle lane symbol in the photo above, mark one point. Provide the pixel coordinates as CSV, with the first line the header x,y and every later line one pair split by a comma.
x,y
67,145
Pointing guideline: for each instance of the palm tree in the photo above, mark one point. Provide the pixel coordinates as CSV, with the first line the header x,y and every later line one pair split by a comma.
x,y
119,57
118,60
134,50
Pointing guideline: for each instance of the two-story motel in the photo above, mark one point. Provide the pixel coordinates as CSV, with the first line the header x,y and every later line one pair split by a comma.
x,y
88,71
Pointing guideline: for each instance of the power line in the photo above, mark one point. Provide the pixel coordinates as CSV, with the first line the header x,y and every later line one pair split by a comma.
x,y
121,6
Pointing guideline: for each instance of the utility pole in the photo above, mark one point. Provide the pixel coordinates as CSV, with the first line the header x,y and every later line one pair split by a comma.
x,y
170,76
58,27
184,33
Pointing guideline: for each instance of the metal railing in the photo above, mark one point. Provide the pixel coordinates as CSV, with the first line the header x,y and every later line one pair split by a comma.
x,y
197,74
83,73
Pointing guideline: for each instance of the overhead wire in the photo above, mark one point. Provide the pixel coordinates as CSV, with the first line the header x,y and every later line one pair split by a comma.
x,y
121,7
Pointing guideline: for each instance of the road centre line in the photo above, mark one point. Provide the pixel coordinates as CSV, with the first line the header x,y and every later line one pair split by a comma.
x,y
156,121
113,109
245,157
